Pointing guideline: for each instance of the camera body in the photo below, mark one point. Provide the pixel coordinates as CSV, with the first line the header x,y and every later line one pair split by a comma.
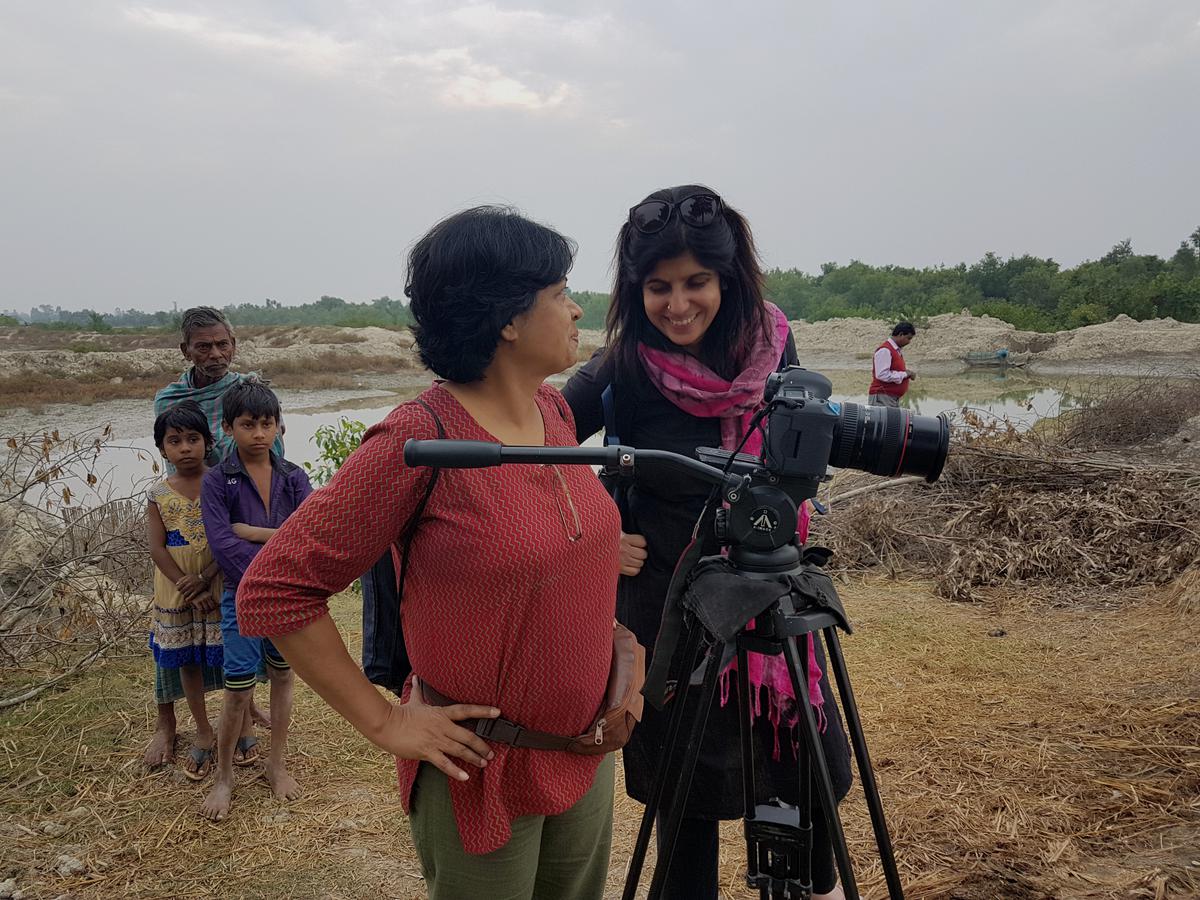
x,y
806,432
801,427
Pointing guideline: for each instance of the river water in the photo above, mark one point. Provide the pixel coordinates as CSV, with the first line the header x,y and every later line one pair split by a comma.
x,y
129,463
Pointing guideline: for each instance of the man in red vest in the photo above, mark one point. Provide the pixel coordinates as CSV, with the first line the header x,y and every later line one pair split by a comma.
x,y
890,377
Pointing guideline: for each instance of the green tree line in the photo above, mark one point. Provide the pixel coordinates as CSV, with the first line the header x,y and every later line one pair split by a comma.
x,y
1030,292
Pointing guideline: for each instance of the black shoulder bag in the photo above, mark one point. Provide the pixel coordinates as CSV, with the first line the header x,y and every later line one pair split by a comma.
x,y
384,656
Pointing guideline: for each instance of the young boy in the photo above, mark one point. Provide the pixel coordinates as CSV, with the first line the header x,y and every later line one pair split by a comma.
x,y
244,500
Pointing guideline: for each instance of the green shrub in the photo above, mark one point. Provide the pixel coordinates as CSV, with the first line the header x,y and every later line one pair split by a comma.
x,y
335,442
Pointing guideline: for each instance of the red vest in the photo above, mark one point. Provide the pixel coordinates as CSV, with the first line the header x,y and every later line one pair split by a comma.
x,y
888,387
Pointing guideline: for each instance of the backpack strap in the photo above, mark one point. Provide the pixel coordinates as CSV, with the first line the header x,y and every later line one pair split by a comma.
x,y
410,527
384,656
611,434
615,426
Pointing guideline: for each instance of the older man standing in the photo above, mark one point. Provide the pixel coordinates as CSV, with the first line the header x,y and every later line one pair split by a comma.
x,y
209,345
889,374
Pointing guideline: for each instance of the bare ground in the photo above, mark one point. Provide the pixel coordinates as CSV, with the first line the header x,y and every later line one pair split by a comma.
x,y
1023,752
38,367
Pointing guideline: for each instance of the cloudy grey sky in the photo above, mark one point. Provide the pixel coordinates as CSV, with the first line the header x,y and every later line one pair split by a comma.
x,y
218,151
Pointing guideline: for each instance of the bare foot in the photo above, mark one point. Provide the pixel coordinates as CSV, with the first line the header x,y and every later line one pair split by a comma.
x,y
261,717
283,785
835,894
216,804
162,746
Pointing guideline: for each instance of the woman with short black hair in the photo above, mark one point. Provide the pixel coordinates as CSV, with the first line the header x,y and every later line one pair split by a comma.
x,y
508,597
691,341
460,304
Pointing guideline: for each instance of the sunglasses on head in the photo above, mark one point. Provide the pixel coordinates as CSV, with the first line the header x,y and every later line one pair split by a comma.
x,y
697,210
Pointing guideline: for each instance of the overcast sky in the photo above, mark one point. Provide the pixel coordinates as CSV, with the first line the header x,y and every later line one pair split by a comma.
x,y
216,152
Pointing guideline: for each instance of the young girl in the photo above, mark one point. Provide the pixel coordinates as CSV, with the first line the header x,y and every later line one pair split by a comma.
x,y
185,630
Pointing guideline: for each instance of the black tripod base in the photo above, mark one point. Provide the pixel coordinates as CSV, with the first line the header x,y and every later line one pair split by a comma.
x,y
775,844
779,837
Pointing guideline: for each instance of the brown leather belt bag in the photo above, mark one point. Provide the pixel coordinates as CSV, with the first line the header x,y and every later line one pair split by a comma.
x,y
610,731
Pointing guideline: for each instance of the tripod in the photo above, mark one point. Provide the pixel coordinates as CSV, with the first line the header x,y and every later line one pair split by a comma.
x,y
766,580
778,837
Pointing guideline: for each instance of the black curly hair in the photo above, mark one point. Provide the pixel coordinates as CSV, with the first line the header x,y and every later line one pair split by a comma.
x,y
471,275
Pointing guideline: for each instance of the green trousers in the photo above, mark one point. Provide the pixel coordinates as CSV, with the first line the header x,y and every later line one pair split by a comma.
x,y
563,857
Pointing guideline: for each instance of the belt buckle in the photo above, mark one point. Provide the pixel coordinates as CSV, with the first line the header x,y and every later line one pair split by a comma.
x,y
501,731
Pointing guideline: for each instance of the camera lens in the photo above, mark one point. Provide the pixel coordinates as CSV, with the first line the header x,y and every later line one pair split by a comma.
x,y
886,441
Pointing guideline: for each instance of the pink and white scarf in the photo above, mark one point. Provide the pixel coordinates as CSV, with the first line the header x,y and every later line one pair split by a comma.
x,y
698,391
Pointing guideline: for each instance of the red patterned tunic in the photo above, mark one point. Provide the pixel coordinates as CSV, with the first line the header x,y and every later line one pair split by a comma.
x,y
501,605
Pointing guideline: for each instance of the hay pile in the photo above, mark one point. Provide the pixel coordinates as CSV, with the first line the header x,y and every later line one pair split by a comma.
x,y
1081,505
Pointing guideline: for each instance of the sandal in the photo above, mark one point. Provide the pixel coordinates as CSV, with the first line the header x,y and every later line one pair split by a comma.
x,y
248,747
202,758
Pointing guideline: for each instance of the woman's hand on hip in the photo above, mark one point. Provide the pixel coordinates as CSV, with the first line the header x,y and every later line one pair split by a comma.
x,y
415,730
633,553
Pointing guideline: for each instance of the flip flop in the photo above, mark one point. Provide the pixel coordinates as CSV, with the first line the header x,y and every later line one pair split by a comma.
x,y
202,758
248,747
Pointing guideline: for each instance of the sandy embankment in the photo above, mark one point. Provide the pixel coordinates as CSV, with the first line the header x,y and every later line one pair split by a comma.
x,y
106,362
286,348
1160,345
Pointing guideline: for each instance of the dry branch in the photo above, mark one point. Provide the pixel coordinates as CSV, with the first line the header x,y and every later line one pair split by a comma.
x,y
1036,510
74,568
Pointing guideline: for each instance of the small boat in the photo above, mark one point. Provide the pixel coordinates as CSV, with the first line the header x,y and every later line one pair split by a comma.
x,y
994,359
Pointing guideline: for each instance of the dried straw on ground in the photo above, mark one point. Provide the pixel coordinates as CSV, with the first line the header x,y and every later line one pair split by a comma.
x,y
1059,760
1073,508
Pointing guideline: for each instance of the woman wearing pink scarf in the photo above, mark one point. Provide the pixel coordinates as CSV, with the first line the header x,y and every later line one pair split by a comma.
x,y
691,341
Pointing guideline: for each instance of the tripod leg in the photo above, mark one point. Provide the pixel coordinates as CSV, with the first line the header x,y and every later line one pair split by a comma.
x,y
749,794
777,871
804,769
859,742
745,706
799,678
665,759
683,779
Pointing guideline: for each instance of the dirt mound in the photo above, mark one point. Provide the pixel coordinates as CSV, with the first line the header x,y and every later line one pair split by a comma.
x,y
1185,442
308,345
942,340
100,364
1123,337
272,349
950,336
944,337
